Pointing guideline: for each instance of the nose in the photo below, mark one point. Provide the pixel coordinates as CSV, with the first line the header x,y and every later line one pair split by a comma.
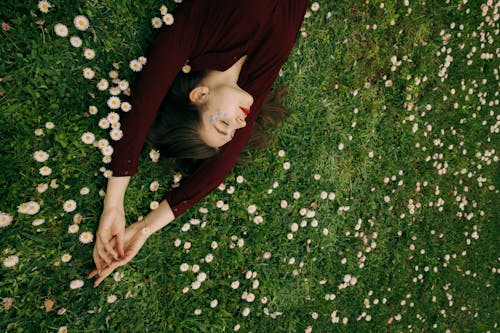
x,y
240,121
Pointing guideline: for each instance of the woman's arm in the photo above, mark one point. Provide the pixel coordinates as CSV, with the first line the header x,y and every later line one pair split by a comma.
x,y
134,238
111,224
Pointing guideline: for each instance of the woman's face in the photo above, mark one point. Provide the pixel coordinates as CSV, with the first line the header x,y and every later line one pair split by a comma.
x,y
223,112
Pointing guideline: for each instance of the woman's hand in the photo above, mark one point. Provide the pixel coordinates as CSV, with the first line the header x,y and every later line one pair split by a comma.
x,y
109,237
134,238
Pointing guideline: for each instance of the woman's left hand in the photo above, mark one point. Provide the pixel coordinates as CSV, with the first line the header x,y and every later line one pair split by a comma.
x,y
134,238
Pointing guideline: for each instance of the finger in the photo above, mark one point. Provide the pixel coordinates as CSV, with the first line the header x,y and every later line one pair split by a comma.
x,y
105,272
109,249
102,252
119,243
99,263
92,274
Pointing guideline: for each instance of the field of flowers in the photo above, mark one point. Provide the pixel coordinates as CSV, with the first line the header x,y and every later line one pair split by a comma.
x,y
376,211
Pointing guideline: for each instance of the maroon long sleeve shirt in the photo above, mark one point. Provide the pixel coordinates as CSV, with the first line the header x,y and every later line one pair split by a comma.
x,y
212,35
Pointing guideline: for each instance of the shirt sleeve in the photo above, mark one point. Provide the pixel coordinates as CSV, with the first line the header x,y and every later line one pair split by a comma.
x,y
267,61
170,49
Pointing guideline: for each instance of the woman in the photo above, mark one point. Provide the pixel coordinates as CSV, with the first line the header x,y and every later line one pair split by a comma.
x,y
237,49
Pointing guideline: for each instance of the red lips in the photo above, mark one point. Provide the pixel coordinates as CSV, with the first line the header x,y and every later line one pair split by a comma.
x,y
245,110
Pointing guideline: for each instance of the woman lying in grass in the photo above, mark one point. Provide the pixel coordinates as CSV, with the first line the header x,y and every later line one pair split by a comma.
x,y
196,100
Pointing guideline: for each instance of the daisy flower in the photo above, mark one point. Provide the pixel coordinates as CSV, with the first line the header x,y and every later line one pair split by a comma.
x,y
209,258
40,156
53,184
45,171
113,74
76,284
73,229
86,237
75,41
123,85
106,159
78,218
81,22
37,222
88,138
156,22
42,187
154,155
235,284
104,123
66,257
30,208
114,103
201,277
44,6
314,6
62,329
49,125
163,10
11,261
168,19
111,298
61,30
154,205
92,109
39,132
107,151
88,73
84,191
135,65
69,206
89,54
154,186
251,209
113,117
5,220
143,60
214,303
102,143
103,84
115,91
126,106
116,134
186,69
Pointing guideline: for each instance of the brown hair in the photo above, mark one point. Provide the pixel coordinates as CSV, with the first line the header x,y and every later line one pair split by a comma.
x,y
174,131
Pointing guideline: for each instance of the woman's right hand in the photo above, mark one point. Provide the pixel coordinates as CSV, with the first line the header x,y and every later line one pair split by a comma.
x,y
111,225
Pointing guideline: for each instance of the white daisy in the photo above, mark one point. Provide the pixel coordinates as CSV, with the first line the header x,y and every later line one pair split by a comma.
x,y
113,74
40,156
111,298
123,85
5,220
66,257
168,19
11,261
44,6
104,123
114,103
156,22
135,65
49,125
86,237
76,284
154,155
45,171
107,151
73,229
69,206
92,109
88,73
163,10
42,187
115,91
81,22
89,54
154,186
84,191
106,159
113,117
75,41
61,30
102,143
103,84
116,134
37,222
126,107
143,60
53,184
88,138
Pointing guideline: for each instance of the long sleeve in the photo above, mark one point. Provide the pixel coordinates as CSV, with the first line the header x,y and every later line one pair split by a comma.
x,y
270,52
169,51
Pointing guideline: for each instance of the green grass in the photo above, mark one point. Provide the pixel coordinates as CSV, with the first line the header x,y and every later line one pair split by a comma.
x,y
431,267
